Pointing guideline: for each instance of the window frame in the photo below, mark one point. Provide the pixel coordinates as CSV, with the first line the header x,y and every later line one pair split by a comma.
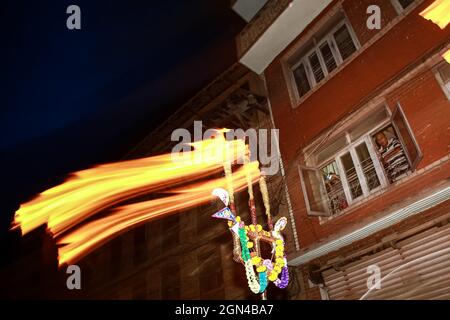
x,y
351,148
304,59
399,9
439,79
374,156
311,212
412,164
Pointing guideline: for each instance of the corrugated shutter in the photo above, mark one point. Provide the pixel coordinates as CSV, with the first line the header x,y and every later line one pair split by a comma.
x,y
418,269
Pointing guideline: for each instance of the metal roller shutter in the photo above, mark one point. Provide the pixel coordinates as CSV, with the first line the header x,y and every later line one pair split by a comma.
x,y
418,269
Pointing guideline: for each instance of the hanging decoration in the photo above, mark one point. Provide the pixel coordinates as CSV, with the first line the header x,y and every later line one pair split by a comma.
x,y
247,238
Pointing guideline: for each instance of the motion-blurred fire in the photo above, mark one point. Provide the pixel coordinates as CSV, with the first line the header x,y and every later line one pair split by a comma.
x,y
446,56
90,191
438,12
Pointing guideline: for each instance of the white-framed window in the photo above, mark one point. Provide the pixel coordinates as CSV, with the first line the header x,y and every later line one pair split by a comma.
x,y
442,72
326,55
402,5
362,160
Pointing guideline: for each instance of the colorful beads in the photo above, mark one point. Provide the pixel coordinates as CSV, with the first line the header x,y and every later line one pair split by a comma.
x,y
262,268
256,260
262,281
267,270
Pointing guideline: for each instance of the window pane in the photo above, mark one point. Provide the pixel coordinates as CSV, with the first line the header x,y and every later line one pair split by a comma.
x,y
331,149
328,57
344,42
316,67
352,177
392,154
333,185
367,166
369,123
405,3
408,145
301,80
313,191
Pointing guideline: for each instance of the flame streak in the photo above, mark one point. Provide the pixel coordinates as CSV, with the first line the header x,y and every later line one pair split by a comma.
x,y
446,56
89,191
438,12
86,238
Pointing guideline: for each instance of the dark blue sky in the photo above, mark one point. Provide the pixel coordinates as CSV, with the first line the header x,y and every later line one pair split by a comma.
x,y
72,99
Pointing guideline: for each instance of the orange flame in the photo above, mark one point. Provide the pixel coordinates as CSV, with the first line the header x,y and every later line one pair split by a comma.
x,y
438,12
446,56
88,237
89,191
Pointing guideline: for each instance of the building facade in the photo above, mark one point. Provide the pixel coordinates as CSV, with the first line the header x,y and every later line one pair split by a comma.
x,y
364,120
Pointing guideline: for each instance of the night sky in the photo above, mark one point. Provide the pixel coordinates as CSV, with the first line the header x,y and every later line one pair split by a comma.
x,y
75,98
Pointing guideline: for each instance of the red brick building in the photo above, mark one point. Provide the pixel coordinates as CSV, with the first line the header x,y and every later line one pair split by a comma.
x,y
364,120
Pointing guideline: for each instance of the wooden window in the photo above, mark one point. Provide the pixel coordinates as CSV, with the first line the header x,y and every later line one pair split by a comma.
x,y
367,166
351,175
344,42
314,194
401,5
357,164
443,77
406,136
301,79
328,57
316,67
320,58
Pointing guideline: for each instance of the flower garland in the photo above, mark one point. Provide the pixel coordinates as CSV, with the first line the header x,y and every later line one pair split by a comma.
x,y
250,272
284,281
265,268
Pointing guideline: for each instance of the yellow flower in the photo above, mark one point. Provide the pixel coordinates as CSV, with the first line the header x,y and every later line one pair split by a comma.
x,y
273,276
261,268
238,219
249,244
258,227
279,242
252,228
277,269
256,260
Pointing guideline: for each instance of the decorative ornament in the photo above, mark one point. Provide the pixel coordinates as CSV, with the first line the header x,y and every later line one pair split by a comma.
x,y
225,213
222,194
246,238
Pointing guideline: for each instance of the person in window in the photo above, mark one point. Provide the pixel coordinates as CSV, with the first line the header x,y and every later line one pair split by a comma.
x,y
392,155
335,192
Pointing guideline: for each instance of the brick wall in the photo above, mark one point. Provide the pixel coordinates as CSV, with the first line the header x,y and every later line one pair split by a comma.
x,y
384,55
